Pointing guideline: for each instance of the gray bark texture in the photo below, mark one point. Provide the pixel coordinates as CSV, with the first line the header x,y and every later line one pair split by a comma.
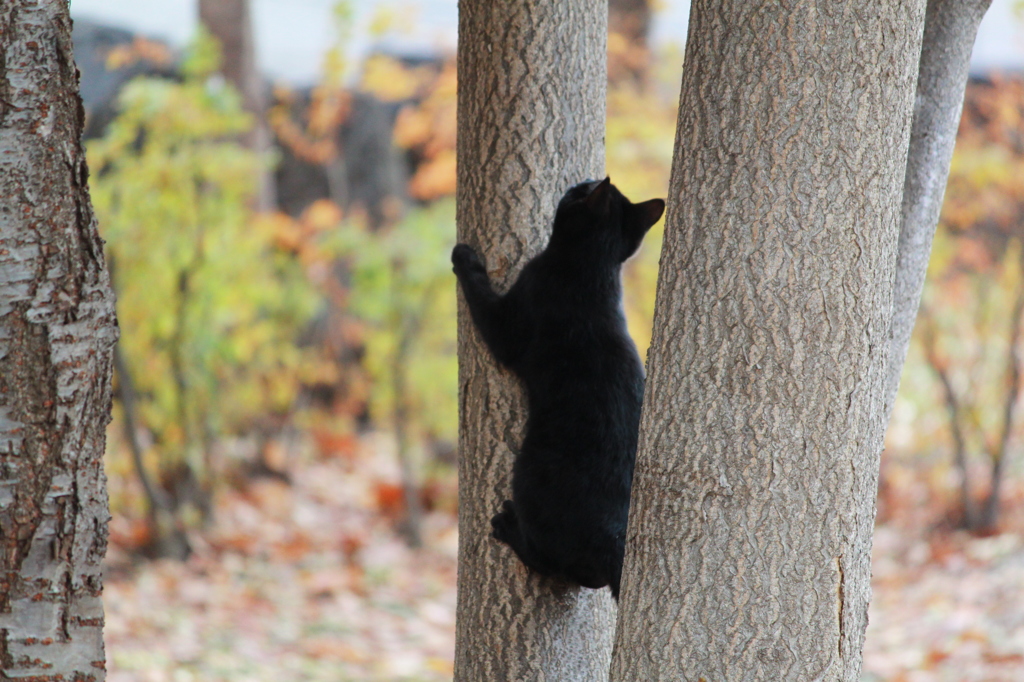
x,y
531,118
57,329
950,28
748,554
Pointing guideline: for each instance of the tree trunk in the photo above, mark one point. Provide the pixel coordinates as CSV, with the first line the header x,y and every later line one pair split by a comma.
x,y
749,546
530,123
950,28
229,21
57,328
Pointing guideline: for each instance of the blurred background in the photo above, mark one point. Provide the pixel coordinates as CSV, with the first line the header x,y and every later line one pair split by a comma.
x,y
274,180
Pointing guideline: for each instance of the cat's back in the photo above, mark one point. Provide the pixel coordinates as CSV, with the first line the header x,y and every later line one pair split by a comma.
x,y
581,361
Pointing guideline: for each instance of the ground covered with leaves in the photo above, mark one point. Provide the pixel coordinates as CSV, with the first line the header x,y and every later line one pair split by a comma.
x,y
310,580
948,606
306,580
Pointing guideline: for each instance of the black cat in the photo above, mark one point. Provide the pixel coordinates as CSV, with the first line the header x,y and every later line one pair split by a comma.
x,y
562,330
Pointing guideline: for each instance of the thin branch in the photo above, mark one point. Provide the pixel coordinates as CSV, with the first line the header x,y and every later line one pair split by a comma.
x,y
167,540
954,410
156,500
991,508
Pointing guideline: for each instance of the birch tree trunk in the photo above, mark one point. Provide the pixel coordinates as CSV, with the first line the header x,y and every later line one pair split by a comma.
x,y
950,28
530,124
57,329
749,544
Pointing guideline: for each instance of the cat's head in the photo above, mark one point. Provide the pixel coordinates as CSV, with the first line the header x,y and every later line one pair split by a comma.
x,y
595,212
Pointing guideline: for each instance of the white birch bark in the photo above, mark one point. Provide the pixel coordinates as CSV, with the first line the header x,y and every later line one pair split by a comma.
x,y
57,328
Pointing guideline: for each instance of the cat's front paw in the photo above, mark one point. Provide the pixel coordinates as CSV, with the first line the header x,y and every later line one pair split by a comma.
x,y
465,260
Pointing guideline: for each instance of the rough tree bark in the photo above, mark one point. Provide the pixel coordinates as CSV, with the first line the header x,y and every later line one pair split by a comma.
x,y
749,546
57,329
230,22
950,28
530,123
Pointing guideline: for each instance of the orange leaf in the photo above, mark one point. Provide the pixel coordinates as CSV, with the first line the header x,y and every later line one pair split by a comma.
x,y
389,499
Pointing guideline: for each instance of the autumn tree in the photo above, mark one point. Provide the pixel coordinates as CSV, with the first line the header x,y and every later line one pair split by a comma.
x,y
748,552
951,27
530,124
57,328
969,326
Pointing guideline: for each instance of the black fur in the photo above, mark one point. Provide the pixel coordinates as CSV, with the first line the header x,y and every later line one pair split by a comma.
x,y
562,330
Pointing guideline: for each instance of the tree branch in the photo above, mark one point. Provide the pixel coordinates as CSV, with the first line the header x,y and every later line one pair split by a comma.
x,y
991,509
949,32
955,411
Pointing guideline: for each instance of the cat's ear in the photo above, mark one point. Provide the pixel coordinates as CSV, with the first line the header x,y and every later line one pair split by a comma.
x,y
646,213
598,197
639,218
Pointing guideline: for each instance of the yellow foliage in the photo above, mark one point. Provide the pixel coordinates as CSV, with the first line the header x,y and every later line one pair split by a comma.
x,y
287,233
140,48
413,128
638,149
625,57
391,81
402,285
321,215
330,104
435,177
210,297
429,129
388,18
974,281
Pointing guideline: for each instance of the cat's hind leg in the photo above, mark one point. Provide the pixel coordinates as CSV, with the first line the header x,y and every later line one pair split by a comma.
x,y
506,527
594,569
